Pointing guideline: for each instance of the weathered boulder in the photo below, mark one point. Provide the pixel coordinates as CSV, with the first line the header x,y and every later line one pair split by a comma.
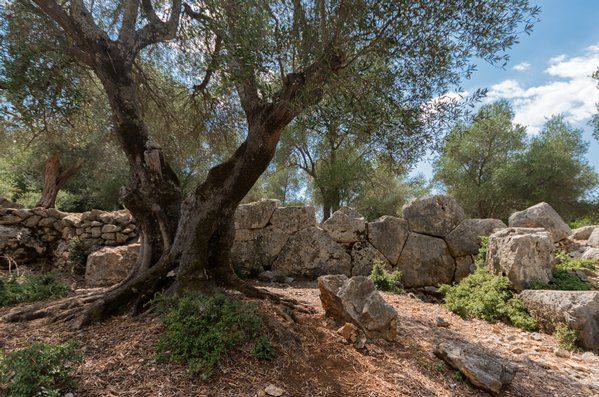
x,y
346,225
388,235
310,253
465,238
522,255
110,265
356,300
18,244
433,215
255,215
578,310
583,233
256,249
293,218
481,368
544,216
362,256
593,240
591,253
464,265
424,261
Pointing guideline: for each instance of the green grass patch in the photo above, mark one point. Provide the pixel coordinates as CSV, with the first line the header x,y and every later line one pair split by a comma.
x,y
384,280
30,288
199,330
564,276
39,370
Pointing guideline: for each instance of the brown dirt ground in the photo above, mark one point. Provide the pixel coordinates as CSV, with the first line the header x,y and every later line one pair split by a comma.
x,y
119,358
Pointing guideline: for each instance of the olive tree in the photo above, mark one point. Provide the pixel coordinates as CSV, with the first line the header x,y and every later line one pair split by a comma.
x,y
281,58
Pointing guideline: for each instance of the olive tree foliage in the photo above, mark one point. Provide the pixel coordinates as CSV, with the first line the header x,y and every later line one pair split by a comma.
x,y
494,169
595,119
279,59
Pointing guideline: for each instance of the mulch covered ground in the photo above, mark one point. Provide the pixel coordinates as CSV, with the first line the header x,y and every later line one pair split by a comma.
x,y
119,357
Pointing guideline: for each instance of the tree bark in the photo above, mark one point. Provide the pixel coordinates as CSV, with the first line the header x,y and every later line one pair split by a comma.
x,y
54,180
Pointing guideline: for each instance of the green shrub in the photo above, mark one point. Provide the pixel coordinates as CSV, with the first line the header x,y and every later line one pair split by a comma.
x,y
30,288
200,329
39,370
384,280
77,249
481,256
487,297
566,337
564,278
580,222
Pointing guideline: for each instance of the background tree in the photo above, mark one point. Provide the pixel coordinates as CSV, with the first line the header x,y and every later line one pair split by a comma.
x,y
493,169
282,58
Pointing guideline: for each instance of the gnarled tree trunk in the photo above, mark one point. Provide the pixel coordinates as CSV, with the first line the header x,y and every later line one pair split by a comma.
x,y
54,180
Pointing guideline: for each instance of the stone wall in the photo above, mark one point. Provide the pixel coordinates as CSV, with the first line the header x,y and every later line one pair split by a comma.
x,y
432,244
39,235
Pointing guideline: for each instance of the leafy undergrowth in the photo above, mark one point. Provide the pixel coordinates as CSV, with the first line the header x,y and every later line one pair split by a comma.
x,y
565,277
567,337
30,288
39,370
488,297
200,329
384,280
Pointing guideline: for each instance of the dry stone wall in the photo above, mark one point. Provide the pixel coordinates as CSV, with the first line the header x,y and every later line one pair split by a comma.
x,y
41,235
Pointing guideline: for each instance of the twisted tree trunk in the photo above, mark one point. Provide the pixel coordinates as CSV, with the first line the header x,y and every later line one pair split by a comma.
x,y
54,179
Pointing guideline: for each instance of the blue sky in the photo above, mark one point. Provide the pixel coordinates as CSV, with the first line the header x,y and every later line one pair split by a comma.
x,y
549,71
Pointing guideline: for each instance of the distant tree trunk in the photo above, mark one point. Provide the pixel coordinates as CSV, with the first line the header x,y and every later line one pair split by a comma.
x,y
326,210
54,180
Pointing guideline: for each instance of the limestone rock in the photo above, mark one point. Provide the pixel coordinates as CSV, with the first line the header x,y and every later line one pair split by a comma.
x,y
425,260
591,253
20,245
433,215
293,218
110,265
464,265
345,225
593,240
522,255
255,215
362,256
356,300
544,216
110,228
583,233
310,253
388,235
465,238
255,249
479,367
578,310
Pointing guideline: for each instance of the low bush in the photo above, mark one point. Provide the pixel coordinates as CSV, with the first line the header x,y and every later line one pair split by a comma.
x,y
567,337
564,275
200,329
384,280
77,249
30,288
487,297
39,370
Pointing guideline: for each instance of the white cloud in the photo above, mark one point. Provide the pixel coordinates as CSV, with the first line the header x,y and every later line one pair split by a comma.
x,y
522,67
571,91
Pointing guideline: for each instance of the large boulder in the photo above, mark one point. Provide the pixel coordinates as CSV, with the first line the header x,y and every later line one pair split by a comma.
x,y
363,256
522,255
110,265
255,249
424,261
310,253
388,235
482,369
593,240
345,225
465,239
591,253
356,300
18,244
579,310
464,265
583,233
255,215
433,215
293,218
544,216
